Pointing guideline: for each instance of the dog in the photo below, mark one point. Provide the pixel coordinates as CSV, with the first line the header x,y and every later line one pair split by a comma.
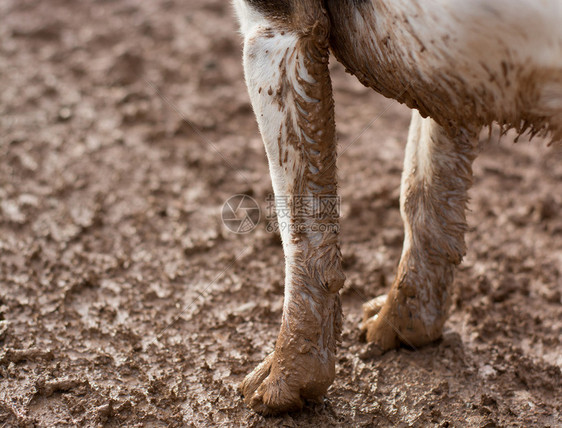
x,y
460,65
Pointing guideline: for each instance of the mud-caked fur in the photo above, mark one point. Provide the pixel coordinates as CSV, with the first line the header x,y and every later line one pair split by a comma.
x,y
461,65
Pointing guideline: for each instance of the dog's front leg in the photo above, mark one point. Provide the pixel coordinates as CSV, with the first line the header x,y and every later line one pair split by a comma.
x,y
286,70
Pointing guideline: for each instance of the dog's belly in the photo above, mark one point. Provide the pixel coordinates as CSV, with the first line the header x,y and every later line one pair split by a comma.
x,y
461,63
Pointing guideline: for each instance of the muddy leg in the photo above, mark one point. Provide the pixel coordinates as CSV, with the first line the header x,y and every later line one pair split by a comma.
x,y
286,68
437,175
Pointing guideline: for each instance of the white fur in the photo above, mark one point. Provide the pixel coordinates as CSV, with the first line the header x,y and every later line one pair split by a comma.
x,y
262,74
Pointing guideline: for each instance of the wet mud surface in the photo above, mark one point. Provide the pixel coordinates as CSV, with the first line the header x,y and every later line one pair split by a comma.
x,y
124,301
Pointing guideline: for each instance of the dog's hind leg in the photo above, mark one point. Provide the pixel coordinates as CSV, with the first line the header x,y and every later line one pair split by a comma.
x,y
435,181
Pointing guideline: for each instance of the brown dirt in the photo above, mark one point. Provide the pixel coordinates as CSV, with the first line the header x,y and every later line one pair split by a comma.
x,y
124,300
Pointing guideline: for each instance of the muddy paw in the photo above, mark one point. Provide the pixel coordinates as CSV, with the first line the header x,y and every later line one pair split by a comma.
x,y
279,385
373,306
377,327
384,327
380,334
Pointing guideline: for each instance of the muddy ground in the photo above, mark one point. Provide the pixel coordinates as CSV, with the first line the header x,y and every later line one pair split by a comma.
x,y
124,301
